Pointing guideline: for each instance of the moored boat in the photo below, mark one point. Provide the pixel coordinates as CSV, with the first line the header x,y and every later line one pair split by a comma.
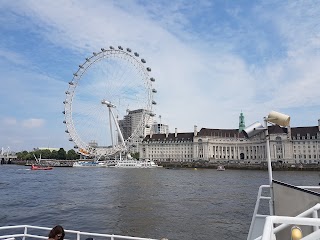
x,y
89,164
132,163
38,167
220,168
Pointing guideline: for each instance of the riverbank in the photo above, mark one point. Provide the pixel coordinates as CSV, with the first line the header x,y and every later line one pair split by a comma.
x,y
46,162
243,166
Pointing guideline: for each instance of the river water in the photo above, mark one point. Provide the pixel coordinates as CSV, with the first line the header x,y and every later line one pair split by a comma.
x,y
200,204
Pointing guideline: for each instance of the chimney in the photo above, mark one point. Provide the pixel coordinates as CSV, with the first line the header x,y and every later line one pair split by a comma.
x,y
289,132
195,133
319,125
175,132
167,134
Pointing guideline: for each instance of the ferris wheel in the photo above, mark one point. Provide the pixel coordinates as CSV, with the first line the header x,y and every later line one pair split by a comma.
x,y
109,86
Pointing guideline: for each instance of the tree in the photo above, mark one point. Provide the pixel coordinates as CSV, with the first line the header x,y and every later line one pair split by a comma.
x,y
72,155
62,154
135,155
46,154
29,156
22,155
54,154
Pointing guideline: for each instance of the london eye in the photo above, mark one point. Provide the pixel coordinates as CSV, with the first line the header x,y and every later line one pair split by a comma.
x,y
105,87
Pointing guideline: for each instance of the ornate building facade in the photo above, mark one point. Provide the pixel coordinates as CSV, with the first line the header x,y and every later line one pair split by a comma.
x,y
287,145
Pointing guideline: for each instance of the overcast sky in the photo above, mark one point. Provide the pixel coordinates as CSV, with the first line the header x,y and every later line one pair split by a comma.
x,y
211,59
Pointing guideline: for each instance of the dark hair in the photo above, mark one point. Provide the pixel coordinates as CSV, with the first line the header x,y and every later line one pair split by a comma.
x,y
55,231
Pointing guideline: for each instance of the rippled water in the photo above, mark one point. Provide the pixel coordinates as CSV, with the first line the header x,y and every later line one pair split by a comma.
x,y
179,204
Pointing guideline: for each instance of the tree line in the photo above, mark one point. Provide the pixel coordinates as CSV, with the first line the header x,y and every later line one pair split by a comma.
x,y
61,154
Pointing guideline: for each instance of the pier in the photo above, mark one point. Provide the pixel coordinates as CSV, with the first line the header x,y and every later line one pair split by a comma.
x,y
7,156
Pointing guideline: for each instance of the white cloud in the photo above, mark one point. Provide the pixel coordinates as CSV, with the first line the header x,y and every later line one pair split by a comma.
x,y
12,57
33,123
9,121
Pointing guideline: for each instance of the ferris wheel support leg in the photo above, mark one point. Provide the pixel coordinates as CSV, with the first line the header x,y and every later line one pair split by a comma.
x,y
111,126
118,128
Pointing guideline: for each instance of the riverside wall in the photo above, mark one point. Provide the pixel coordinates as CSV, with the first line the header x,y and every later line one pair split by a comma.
x,y
242,166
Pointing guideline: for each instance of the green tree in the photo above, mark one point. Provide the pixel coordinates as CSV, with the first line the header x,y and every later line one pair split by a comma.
x,y
29,156
135,155
45,154
22,155
54,154
72,155
62,154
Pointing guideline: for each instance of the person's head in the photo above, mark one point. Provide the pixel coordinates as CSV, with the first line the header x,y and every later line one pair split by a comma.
x,y
57,233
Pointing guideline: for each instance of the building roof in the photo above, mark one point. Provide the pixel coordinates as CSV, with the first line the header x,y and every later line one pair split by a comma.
x,y
162,136
223,133
276,129
303,131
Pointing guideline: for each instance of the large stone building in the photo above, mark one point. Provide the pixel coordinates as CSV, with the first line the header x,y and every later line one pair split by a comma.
x,y
287,145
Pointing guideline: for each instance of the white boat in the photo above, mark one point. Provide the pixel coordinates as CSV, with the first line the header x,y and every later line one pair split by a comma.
x,y
132,163
89,164
220,168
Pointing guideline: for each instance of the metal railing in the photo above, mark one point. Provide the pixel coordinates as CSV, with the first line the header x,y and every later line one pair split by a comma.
x,y
309,217
255,214
269,231
23,231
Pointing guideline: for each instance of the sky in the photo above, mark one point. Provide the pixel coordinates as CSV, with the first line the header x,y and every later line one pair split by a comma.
x,y
211,59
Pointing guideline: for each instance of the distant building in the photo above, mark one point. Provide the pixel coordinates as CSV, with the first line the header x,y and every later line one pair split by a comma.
x,y
93,143
159,128
168,147
47,148
131,123
287,145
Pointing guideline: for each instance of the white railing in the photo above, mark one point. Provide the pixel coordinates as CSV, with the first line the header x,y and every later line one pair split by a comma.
x,y
255,214
268,230
24,233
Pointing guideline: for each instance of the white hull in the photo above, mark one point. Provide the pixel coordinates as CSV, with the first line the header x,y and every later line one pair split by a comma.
x,y
135,164
220,168
89,164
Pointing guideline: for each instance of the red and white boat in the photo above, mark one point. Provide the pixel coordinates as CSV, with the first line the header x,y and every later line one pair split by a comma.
x,y
37,167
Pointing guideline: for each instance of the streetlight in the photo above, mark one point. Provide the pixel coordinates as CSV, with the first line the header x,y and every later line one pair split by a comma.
x,y
256,128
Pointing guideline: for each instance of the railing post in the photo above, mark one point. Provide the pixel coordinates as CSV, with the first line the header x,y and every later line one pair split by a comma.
x,y
315,215
25,232
269,165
